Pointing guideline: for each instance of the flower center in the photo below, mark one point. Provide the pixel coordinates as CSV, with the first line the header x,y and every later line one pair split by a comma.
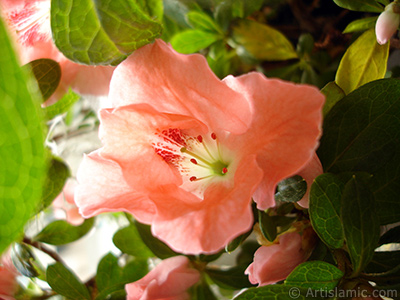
x,y
32,22
200,160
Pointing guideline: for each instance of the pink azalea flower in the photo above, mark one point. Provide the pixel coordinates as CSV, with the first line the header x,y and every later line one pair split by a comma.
x,y
65,201
8,274
29,23
186,152
274,263
309,172
387,23
169,280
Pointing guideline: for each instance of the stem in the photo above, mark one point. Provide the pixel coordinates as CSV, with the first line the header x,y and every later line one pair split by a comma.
x,y
54,255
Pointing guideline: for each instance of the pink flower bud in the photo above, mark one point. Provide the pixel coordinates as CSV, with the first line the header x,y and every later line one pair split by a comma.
x,y
387,23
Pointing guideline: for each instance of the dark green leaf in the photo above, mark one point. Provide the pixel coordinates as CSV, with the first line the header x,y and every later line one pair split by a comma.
x,y
360,5
333,94
57,175
291,189
383,262
305,44
267,226
100,32
22,155
64,282
47,73
61,232
22,258
391,236
129,241
108,272
202,291
246,254
193,40
360,223
315,275
325,203
236,242
159,249
268,44
62,105
227,10
232,278
361,25
365,129
278,292
111,278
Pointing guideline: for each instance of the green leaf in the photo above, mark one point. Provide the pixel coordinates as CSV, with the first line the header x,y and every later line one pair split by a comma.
x,y
384,262
227,10
201,21
61,232
202,291
108,273
64,282
57,175
325,203
267,226
236,242
129,241
22,155
360,25
232,278
360,223
333,94
360,5
100,32
291,189
364,61
62,105
279,292
47,73
193,40
268,44
315,275
159,249
365,129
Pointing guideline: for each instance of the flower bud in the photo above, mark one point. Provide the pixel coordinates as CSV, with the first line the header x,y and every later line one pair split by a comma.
x,y
387,23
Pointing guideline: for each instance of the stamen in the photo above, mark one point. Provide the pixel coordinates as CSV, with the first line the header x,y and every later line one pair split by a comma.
x,y
193,161
224,170
193,178
213,136
200,138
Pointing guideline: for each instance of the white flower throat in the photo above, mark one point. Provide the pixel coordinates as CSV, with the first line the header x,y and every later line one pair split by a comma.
x,y
200,160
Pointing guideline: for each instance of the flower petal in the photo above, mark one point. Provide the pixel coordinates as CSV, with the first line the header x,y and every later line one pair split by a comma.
x,y
274,263
285,129
179,84
102,188
128,134
169,280
193,226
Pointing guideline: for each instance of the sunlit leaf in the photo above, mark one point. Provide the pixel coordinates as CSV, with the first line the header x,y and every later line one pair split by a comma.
x,y
360,5
267,44
193,40
62,105
333,94
22,155
364,61
100,32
